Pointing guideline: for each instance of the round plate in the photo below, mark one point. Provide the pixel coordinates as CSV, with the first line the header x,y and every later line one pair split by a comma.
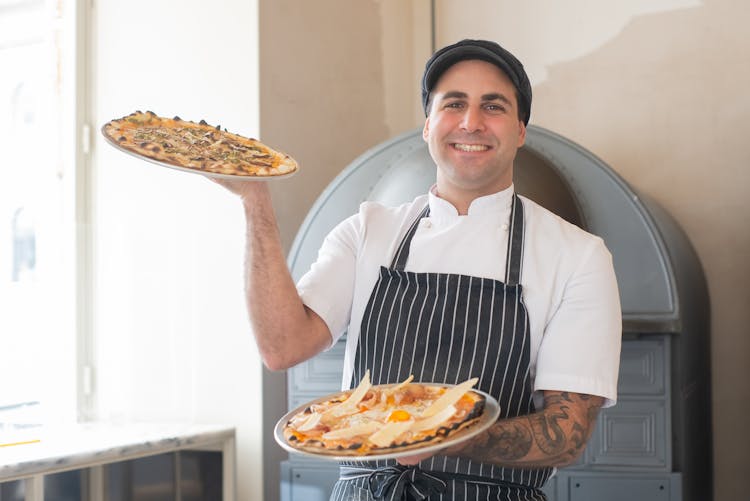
x,y
487,419
191,171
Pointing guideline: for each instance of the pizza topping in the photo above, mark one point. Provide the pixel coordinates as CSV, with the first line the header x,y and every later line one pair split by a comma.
x,y
196,146
435,420
399,415
311,422
349,406
450,397
388,433
373,418
364,429
399,386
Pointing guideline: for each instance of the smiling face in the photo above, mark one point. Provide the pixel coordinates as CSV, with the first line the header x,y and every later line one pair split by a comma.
x,y
473,131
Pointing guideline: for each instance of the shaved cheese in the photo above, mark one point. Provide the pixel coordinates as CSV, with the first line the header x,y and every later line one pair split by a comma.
x,y
388,392
450,397
388,433
311,422
350,404
433,421
400,385
366,428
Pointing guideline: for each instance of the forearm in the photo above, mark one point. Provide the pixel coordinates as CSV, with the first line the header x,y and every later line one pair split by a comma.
x,y
286,332
554,436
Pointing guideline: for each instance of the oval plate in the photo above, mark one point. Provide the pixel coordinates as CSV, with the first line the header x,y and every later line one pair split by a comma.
x,y
191,171
487,419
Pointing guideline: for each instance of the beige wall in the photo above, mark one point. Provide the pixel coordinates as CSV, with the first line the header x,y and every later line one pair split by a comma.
x,y
656,88
339,81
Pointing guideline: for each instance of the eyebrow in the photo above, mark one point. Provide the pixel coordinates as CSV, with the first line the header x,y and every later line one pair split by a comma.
x,y
494,96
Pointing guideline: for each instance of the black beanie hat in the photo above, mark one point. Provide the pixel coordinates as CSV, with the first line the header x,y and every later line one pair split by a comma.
x,y
483,50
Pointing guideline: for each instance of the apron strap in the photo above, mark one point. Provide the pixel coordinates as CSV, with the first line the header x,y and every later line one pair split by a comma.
x,y
515,243
402,253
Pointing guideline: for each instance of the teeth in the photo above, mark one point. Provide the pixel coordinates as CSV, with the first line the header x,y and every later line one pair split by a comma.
x,y
470,147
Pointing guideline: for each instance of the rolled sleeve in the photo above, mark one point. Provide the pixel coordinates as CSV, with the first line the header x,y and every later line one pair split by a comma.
x,y
580,348
328,287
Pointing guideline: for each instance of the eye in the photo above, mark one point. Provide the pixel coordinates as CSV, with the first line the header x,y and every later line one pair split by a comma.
x,y
495,107
454,105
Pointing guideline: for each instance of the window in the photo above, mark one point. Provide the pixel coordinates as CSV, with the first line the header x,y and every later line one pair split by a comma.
x,y
37,236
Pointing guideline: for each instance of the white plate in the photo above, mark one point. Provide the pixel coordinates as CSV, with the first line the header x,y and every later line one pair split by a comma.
x,y
191,171
487,419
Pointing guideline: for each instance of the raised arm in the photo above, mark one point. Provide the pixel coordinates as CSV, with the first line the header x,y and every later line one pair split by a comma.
x,y
286,331
555,436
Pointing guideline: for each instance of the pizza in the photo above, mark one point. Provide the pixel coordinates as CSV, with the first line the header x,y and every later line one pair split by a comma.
x,y
196,146
371,420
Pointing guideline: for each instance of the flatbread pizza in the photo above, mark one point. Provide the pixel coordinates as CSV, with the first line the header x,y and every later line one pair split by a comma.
x,y
372,420
197,147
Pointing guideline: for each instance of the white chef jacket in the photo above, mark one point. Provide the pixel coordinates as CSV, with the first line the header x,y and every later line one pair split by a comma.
x,y
568,281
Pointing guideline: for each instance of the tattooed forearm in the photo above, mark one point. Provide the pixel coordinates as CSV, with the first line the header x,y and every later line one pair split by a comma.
x,y
556,436
548,433
508,440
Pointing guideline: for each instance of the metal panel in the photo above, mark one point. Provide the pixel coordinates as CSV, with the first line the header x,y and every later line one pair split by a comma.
x,y
307,483
622,488
642,368
631,434
321,375
550,489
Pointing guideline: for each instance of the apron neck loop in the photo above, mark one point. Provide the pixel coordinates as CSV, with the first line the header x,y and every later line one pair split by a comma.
x,y
515,242
402,253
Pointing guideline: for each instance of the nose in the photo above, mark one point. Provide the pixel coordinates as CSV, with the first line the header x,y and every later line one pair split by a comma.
x,y
472,120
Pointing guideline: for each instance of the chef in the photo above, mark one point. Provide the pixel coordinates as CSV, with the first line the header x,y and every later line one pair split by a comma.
x,y
468,280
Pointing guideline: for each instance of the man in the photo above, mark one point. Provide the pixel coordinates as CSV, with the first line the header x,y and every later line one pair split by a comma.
x,y
469,280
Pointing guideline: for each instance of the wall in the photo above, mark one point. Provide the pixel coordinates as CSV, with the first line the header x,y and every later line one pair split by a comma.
x,y
316,85
171,336
332,89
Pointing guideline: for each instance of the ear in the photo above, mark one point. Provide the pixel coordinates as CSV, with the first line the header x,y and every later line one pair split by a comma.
x,y
426,129
521,133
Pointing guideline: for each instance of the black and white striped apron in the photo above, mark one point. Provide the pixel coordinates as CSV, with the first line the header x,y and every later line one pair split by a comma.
x,y
447,328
